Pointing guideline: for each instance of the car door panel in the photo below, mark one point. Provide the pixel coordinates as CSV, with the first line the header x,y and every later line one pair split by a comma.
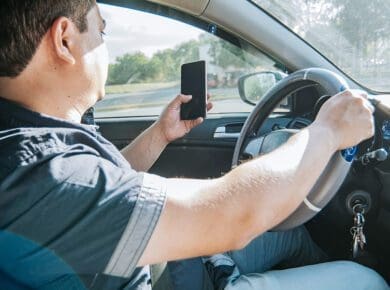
x,y
205,152
197,155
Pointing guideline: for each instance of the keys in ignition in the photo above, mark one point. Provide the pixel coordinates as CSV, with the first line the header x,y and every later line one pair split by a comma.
x,y
358,238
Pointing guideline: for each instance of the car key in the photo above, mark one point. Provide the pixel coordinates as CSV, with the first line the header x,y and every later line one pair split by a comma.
x,y
358,236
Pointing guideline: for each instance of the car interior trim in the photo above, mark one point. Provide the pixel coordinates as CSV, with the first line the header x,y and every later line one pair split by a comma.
x,y
193,7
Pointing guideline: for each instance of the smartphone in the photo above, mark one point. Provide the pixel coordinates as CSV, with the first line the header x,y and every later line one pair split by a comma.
x,y
193,82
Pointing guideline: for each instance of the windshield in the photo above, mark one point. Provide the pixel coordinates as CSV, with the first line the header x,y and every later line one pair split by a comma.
x,y
353,34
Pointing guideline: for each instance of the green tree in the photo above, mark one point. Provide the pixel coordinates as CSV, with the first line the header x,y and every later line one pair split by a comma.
x,y
167,62
375,14
370,38
359,27
128,68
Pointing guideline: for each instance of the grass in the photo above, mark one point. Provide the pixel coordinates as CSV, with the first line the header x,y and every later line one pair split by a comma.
x,y
133,88
151,104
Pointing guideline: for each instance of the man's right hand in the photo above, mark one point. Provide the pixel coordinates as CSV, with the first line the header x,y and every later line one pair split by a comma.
x,y
349,115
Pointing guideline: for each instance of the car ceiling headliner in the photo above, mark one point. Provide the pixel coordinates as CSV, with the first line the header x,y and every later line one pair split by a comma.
x,y
191,6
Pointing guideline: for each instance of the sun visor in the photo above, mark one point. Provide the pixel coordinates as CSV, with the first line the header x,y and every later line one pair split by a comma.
x,y
194,7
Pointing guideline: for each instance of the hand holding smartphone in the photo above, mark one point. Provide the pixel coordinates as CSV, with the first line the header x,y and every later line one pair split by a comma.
x,y
193,82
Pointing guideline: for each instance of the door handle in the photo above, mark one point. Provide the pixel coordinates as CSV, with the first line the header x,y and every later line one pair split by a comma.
x,y
220,133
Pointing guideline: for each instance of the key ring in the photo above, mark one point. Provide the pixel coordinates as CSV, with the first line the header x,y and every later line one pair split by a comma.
x,y
358,208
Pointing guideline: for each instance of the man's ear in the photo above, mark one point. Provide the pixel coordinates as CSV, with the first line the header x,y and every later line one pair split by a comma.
x,y
63,34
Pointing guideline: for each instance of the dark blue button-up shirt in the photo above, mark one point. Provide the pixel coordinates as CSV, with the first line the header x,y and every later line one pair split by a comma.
x,y
67,194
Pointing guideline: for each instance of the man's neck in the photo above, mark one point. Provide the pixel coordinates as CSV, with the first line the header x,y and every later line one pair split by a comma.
x,y
55,104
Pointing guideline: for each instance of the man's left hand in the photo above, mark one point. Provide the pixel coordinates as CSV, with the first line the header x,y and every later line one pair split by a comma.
x,y
170,124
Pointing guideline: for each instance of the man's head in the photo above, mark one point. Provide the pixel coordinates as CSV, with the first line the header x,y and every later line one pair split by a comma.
x,y
54,46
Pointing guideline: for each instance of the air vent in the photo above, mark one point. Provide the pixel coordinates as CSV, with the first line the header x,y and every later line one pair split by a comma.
x,y
299,123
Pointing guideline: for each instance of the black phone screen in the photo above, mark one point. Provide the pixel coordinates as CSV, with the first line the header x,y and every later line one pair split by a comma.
x,y
193,82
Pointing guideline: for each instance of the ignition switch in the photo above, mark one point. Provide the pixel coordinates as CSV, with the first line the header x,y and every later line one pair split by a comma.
x,y
358,197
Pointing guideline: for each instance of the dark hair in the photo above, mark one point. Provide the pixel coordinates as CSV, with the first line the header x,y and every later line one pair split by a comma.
x,y
23,23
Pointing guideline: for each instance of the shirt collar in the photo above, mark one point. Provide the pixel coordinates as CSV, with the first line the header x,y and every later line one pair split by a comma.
x,y
12,115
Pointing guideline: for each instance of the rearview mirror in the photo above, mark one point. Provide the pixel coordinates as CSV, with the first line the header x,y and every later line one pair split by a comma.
x,y
253,86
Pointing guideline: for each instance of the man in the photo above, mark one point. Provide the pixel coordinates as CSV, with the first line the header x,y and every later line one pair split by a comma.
x,y
75,215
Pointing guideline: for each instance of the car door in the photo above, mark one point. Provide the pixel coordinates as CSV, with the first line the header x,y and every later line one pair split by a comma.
x,y
146,52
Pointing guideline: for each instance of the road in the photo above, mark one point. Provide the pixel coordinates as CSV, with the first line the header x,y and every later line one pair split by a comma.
x,y
152,102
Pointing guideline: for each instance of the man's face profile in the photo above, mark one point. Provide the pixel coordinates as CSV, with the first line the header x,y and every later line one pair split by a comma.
x,y
93,54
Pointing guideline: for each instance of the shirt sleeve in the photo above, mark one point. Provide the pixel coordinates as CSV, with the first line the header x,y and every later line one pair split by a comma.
x,y
140,227
96,216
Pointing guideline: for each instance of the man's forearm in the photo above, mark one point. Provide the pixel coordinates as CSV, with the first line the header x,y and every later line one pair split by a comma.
x,y
265,191
145,149
228,212
273,186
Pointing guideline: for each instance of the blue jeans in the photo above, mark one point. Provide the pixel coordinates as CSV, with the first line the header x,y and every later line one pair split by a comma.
x,y
280,261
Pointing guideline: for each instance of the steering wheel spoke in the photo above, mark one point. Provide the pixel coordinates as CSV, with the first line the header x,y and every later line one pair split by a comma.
x,y
252,148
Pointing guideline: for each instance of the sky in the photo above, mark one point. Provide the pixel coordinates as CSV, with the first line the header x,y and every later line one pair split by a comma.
x,y
130,31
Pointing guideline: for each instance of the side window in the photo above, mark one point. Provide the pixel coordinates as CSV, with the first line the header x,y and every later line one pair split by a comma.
x,y
146,53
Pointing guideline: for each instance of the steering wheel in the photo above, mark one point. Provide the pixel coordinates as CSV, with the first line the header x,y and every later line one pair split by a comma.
x,y
250,144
